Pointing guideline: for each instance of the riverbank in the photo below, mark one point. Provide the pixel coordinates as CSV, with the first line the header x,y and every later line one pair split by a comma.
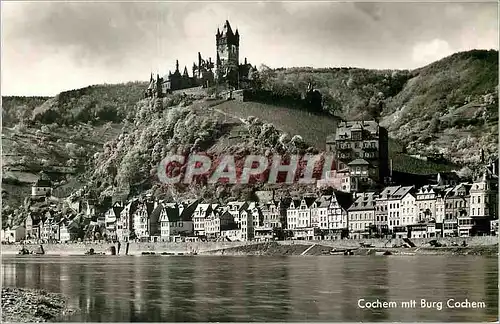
x,y
276,249
289,247
29,305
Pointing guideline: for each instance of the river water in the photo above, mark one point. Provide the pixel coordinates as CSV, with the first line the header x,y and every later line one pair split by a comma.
x,y
213,288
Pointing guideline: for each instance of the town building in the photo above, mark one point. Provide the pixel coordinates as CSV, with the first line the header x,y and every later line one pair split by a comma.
x,y
483,206
42,187
235,208
110,219
125,224
395,208
319,212
338,222
361,216
251,218
362,148
176,223
217,222
426,202
382,209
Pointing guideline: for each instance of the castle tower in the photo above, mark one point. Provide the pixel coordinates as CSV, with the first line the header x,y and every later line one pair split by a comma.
x,y
227,63
158,89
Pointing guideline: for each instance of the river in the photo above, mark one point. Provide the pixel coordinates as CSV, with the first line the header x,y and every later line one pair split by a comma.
x,y
211,288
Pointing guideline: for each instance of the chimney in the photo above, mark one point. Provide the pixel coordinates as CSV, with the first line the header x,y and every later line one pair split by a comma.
x,y
245,61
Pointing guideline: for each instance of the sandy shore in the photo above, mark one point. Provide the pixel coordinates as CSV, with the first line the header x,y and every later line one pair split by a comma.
x,y
28,305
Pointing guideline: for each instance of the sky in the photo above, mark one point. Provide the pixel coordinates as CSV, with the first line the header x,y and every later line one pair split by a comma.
x,y
49,47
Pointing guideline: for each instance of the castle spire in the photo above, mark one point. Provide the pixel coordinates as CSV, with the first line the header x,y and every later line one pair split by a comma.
x,y
227,29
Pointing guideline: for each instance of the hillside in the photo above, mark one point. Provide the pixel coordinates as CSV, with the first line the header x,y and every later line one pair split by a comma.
x,y
314,129
177,125
111,138
60,134
449,107
94,104
15,109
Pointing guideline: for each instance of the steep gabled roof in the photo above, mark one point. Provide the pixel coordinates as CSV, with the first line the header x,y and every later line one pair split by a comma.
x,y
344,199
187,213
155,214
309,201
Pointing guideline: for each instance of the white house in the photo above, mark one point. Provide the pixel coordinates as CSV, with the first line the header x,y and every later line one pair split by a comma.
x,y
292,214
337,211
15,234
361,215
319,212
174,221
401,205
64,234
125,224
235,208
110,219
304,212
42,187
251,218
141,221
202,211
426,202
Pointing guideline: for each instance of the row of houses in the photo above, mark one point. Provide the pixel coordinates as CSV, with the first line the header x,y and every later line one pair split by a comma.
x,y
444,209
448,208
49,228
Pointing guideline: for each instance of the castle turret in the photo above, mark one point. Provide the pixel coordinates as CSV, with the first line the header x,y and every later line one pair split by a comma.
x,y
227,54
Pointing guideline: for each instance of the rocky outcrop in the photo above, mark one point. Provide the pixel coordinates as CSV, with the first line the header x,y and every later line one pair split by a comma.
x,y
27,305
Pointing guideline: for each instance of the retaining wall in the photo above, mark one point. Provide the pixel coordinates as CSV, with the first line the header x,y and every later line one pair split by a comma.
x,y
186,247
134,248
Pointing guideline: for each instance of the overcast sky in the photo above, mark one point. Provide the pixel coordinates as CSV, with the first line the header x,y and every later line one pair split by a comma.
x,y
50,47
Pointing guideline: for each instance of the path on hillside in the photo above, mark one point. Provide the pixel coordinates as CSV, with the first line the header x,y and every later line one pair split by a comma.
x,y
243,120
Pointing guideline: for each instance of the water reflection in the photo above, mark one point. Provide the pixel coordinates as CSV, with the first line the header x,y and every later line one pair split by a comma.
x,y
174,289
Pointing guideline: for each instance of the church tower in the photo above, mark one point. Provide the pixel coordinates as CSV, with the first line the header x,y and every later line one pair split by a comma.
x,y
227,63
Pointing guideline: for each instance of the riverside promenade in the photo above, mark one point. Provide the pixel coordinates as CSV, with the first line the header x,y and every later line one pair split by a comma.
x,y
202,247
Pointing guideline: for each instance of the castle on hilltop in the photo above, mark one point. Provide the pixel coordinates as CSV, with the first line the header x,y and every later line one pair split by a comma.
x,y
228,70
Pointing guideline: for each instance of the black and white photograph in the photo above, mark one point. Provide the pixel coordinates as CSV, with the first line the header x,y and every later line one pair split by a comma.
x,y
254,161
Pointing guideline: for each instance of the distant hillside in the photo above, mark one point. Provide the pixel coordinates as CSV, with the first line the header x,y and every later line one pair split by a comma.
x,y
15,108
99,103
449,107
